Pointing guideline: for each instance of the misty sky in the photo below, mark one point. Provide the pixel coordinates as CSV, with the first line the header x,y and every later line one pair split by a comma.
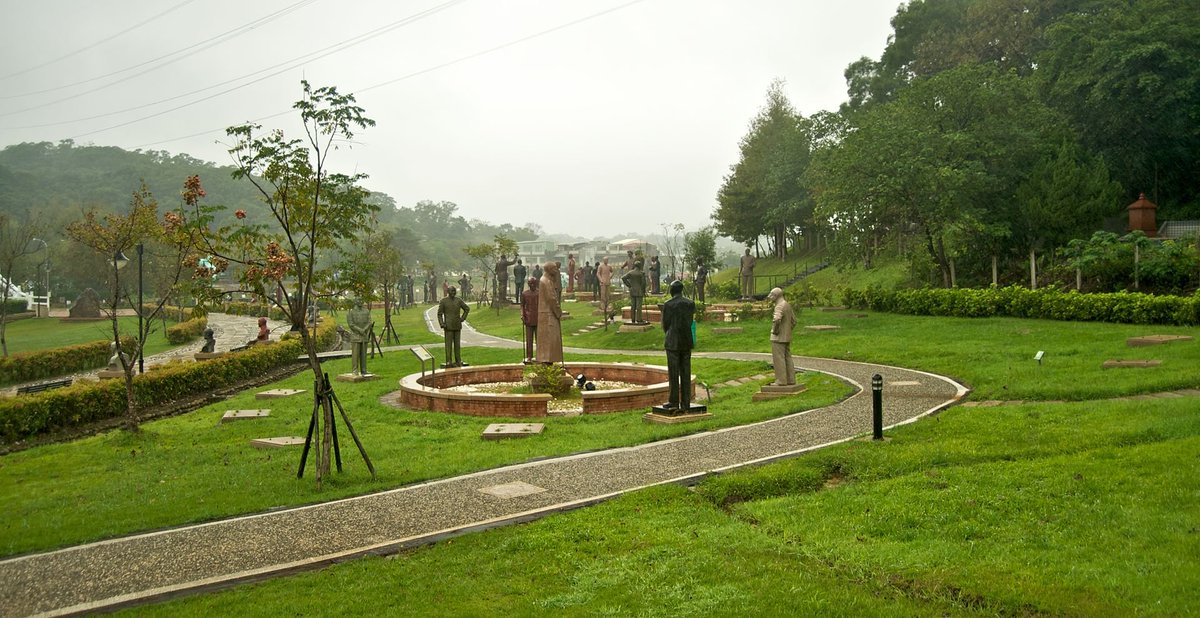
x,y
620,122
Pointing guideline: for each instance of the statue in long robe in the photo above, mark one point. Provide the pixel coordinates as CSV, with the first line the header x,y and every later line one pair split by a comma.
x,y
549,323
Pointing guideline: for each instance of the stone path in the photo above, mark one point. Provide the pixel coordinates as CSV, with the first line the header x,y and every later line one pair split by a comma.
x,y
160,564
230,331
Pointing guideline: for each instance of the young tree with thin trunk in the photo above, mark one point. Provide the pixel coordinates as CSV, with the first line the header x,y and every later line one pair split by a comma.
x,y
17,240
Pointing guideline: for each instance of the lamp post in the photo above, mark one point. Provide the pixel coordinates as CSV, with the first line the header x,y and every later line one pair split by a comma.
x,y
141,333
46,263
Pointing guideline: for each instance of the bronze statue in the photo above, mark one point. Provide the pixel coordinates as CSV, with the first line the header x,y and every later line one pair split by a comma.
x,y
451,314
549,344
359,324
747,275
677,314
529,316
783,321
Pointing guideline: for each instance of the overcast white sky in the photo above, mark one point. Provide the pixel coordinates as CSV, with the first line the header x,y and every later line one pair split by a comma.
x,y
618,123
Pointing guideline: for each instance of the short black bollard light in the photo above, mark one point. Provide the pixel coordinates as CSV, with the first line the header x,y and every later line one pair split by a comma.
x,y
877,400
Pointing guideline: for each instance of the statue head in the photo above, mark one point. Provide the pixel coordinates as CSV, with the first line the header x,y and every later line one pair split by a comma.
x,y
570,256
676,287
775,294
747,250
262,322
604,259
533,283
550,269
518,260
452,291
208,334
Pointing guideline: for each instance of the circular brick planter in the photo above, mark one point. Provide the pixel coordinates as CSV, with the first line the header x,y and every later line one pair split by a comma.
x,y
428,392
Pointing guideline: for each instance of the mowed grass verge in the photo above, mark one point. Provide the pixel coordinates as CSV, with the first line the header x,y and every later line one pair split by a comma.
x,y
193,468
1034,509
33,334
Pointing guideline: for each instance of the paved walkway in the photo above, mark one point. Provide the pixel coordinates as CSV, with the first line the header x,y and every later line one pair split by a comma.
x,y
98,575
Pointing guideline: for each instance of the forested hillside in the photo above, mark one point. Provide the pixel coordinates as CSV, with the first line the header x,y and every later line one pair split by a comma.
x,y
987,132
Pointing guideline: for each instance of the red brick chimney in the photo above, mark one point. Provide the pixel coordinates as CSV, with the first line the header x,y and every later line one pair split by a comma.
x,y
1141,216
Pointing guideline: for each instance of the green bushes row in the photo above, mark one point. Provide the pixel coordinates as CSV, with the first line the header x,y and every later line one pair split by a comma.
x,y
184,332
28,415
256,310
15,305
30,366
1019,302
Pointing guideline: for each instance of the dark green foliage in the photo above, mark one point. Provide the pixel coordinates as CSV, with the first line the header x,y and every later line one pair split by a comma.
x,y
85,402
1019,302
186,331
30,366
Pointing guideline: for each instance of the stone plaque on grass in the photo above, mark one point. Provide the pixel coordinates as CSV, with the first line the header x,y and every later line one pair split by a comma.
x,y
1136,342
515,489
239,415
279,442
1113,364
820,327
501,431
277,393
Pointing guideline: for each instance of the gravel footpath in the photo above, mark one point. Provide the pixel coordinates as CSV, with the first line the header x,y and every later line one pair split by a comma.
x,y
125,570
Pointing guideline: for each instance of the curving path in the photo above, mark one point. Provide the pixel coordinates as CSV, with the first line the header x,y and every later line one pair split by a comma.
x,y
162,564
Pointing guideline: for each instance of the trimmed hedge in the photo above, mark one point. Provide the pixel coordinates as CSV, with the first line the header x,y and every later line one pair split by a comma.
x,y
1019,302
36,365
256,310
184,332
28,415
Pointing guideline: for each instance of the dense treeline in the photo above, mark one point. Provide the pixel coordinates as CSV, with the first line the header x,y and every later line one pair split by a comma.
x,y
52,185
987,131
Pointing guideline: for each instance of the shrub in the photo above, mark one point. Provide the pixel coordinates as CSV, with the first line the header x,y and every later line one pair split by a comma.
x,y
30,366
84,402
184,332
1015,301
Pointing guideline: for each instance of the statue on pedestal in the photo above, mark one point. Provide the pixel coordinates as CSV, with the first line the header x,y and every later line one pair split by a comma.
x,y
570,273
210,342
747,275
502,265
604,274
529,316
654,271
451,314
549,322
359,323
520,274
783,320
701,281
677,315
635,280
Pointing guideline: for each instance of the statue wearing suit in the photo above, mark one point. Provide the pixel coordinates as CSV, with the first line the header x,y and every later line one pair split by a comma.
x,y
677,322
782,323
451,314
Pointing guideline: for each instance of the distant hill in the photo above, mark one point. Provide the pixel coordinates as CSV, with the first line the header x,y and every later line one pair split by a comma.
x,y
65,177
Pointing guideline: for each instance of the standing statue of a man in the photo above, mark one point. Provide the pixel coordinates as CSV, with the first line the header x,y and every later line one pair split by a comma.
x,y
570,273
635,280
654,271
701,281
549,322
677,314
529,316
451,314
747,274
359,323
502,265
520,273
782,322
604,274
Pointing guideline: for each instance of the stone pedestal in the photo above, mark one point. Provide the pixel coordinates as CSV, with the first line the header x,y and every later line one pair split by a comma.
x,y
277,442
774,391
1113,364
240,415
356,377
277,393
1146,340
630,327
110,374
203,356
662,415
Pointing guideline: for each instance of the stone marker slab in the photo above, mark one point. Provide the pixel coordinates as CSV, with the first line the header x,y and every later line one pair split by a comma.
x,y
1137,342
501,431
634,328
727,330
515,489
661,416
203,356
820,327
106,374
239,415
775,391
1112,364
277,393
279,442
356,377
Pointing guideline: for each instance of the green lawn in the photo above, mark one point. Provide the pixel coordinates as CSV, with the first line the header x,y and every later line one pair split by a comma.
x,y
1074,509
994,356
191,468
46,333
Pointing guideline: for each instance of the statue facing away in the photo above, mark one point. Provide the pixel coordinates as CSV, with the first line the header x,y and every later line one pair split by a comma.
x,y
549,316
